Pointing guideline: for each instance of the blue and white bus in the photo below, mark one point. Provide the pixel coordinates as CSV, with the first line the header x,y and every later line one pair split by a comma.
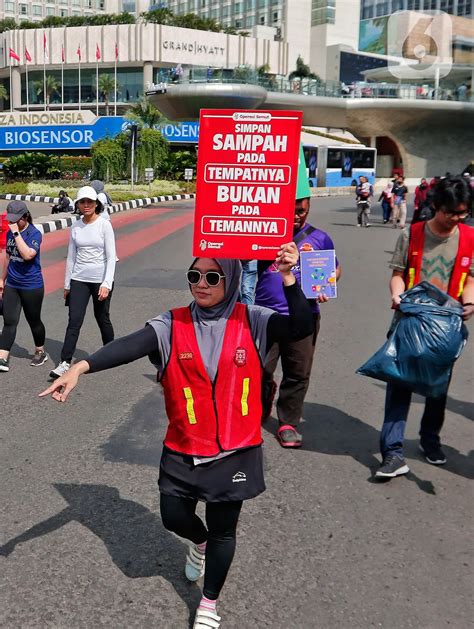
x,y
337,166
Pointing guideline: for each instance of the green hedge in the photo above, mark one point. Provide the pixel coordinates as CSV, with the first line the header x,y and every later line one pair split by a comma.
x,y
72,165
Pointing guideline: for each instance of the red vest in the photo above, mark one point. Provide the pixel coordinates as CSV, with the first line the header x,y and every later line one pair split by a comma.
x,y
461,263
206,418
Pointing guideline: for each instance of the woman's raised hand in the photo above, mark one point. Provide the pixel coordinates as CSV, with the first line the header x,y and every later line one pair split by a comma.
x,y
287,257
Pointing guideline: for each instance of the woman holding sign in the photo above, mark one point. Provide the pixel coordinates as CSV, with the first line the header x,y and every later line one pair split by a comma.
x,y
209,357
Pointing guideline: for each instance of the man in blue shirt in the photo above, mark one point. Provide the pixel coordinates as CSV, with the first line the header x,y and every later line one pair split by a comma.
x,y
296,356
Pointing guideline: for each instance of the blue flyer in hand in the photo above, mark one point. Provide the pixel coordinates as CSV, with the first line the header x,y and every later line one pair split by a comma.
x,y
318,273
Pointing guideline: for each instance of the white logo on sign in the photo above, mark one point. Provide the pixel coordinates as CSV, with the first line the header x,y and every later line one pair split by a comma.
x,y
203,245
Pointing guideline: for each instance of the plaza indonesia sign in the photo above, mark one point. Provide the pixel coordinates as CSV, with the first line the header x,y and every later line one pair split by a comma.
x,y
246,182
53,130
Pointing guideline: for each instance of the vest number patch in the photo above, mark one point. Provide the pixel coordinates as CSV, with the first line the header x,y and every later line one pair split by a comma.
x,y
190,405
245,397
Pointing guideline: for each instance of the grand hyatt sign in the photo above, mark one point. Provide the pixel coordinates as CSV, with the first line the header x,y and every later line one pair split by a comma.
x,y
194,47
20,119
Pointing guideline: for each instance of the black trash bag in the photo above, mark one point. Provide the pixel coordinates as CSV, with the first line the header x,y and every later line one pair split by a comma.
x,y
426,341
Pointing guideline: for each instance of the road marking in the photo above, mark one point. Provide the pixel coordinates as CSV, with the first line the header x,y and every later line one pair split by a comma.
x,y
127,246
56,239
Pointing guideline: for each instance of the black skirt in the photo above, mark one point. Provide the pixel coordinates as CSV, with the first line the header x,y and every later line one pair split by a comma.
x,y
238,476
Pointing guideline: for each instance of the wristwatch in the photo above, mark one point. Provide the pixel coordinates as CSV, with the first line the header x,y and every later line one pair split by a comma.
x,y
16,234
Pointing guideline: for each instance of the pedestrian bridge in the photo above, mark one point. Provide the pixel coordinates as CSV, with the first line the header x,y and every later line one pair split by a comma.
x,y
433,136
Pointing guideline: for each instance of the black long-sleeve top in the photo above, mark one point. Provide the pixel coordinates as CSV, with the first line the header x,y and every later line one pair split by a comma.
x,y
297,325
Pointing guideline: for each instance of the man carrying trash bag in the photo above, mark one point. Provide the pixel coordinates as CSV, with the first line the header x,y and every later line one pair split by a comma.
x,y
440,252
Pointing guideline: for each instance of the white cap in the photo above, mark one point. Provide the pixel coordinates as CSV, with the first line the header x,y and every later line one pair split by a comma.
x,y
86,192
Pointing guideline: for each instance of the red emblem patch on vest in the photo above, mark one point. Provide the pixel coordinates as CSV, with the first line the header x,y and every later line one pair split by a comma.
x,y
465,261
240,358
185,356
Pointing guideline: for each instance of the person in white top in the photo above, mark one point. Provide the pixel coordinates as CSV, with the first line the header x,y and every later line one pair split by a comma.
x,y
90,273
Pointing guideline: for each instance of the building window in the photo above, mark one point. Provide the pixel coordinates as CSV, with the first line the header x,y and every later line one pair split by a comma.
x,y
261,19
238,7
447,6
250,20
9,7
23,9
323,12
413,5
238,23
367,13
50,11
37,9
262,4
432,5
275,16
397,5
250,5
464,7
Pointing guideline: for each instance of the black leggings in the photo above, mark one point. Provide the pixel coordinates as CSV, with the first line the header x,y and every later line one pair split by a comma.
x,y
179,516
14,300
79,296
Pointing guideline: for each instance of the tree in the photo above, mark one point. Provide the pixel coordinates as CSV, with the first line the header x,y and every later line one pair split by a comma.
x,y
3,92
107,87
109,159
52,87
302,71
145,114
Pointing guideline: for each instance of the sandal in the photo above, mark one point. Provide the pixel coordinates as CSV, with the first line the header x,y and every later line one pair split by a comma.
x,y
206,620
195,563
289,437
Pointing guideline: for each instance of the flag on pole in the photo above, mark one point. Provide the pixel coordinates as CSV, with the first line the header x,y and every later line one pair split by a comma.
x,y
116,51
14,55
97,52
27,55
78,51
45,47
62,55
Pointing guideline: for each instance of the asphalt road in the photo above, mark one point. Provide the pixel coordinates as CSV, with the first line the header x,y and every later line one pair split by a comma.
x,y
324,547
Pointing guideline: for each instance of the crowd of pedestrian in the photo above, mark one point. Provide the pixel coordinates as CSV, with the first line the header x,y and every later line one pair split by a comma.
x,y
216,358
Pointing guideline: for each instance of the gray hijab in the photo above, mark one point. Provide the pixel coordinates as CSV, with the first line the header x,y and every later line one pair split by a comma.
x,y
210,323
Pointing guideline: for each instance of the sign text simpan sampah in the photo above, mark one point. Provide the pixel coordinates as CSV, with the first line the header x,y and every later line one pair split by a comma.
x,y
246,182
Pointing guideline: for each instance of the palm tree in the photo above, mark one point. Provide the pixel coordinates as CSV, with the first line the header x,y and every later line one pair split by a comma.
x,y
3,92
52,86
145,114
107,87
302,71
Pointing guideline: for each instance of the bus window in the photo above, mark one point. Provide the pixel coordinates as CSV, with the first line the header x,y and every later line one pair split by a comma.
x,y
311,159
334,158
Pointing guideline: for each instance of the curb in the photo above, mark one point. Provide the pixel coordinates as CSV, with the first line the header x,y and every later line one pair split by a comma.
x,y
63,223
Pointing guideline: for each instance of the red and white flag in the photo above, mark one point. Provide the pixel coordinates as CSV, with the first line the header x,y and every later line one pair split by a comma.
x,y
27,55
78,51
45,47
62,55
14,55
116,51
97,52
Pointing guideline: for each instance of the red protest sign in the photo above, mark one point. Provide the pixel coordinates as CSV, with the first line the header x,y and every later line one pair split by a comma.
x,y
245,182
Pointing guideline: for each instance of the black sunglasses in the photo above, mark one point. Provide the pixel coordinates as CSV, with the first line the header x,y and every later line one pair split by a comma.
x,y
212,277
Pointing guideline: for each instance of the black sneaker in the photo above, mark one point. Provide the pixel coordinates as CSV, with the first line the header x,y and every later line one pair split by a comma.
x,y
4,364
39,358
433,454
392,466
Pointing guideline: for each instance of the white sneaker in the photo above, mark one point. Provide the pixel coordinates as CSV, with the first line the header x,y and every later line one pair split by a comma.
x,y
195,563
60,370
206,620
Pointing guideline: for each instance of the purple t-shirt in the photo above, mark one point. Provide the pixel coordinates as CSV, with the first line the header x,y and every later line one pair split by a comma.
x,y
269,291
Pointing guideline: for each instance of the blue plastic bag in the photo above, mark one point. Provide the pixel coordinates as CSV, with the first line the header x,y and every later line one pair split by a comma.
x,y
424,344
